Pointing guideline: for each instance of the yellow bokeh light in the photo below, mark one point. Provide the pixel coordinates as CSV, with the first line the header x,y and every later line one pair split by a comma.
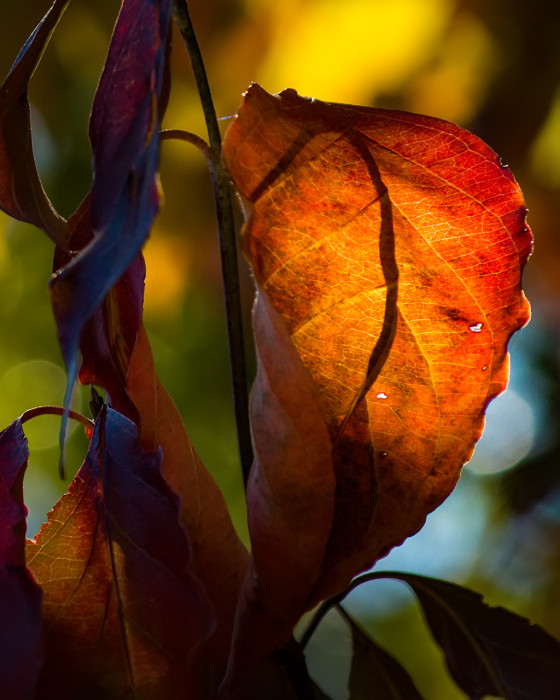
x,y
349,52
167,273
545,153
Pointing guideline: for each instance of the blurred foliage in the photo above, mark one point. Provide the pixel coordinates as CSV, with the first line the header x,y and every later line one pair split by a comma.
x,y
492,66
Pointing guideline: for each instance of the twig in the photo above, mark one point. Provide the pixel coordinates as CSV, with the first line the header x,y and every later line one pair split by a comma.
x,y
228,249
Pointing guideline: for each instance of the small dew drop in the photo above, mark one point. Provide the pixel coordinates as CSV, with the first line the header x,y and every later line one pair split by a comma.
x,y
382,454
484,368
381,395
476,328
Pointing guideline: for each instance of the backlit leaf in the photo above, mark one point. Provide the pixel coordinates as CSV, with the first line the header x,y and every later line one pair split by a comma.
x,y
391,246
122,610
20,597
124,132
21,193
292,437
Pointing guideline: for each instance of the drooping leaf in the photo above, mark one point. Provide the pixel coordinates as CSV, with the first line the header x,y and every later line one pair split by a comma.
x,y
374,673
123,612
291,436
116,355
124,132
108,337
20,597
21,193
219,559
392,246
489,651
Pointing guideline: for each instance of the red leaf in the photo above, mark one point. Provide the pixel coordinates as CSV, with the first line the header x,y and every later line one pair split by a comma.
x,y
20,597
289,435
108,337
21,193
123,612
391,245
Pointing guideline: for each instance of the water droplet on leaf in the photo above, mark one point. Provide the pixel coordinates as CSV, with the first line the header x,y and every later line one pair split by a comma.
x,y
476,328
381,395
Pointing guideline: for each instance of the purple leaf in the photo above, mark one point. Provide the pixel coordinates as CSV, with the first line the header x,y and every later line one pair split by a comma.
x,y
20,597
489,651
120,599
124,132
375,673
109,336
21,193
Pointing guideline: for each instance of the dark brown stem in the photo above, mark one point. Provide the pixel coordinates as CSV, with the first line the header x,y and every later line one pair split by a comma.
x,y
228,248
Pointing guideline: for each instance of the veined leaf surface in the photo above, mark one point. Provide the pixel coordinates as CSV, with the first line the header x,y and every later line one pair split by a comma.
x,y
391,245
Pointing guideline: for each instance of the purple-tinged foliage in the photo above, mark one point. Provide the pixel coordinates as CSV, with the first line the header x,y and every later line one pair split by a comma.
x,y
124,132
20,597
120,599
109,336
21,193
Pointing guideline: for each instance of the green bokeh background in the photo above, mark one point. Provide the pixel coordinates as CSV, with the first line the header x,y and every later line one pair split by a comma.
x,y
491,66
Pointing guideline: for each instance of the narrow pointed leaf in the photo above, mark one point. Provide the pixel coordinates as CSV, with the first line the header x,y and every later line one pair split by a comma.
x,y
124,131
376,674
392,246
116,355
20,597
123,613
489,651
21,192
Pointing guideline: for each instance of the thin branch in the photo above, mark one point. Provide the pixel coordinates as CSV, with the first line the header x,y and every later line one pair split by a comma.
x,y
55,411
228,248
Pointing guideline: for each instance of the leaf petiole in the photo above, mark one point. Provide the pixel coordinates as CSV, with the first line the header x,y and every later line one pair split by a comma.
x,y
194,139
55,411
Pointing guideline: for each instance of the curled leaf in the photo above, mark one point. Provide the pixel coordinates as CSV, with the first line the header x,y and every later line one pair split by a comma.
x,y
21,648
114,564
375,673
21,193
219,558
124,132
391,246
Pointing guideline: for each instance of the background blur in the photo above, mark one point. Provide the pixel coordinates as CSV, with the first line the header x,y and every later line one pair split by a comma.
x,y
493,67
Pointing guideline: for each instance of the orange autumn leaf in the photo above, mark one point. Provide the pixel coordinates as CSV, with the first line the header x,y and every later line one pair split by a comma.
x,y
391,245
219,558
123,612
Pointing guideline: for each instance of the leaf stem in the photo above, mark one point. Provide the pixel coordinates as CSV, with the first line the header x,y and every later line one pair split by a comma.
x,y
55,411
189,137
228,248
